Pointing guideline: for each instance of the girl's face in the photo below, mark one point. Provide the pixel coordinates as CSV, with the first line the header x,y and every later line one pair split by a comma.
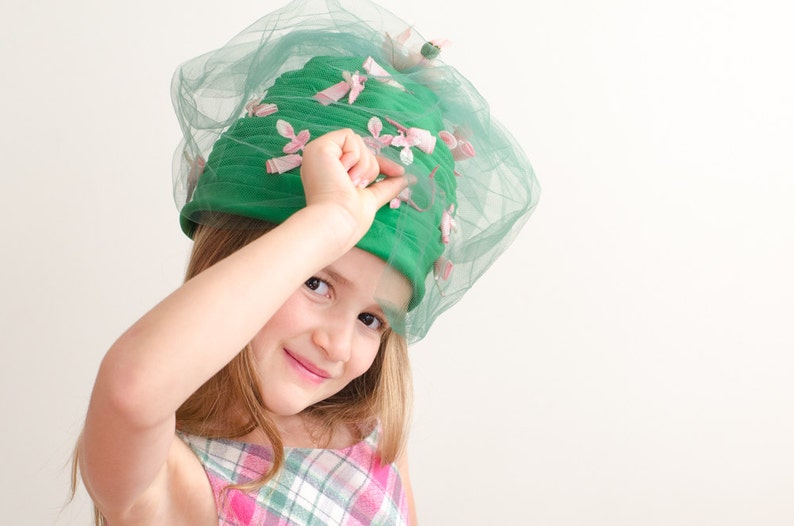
x,y
327,333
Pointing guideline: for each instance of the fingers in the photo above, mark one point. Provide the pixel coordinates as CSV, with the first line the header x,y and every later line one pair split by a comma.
x,y
365,170
387,189
368,167
360,164
395,181
356,159
389,167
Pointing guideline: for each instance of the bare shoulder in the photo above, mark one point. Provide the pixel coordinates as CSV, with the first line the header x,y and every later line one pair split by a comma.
x,y
180,495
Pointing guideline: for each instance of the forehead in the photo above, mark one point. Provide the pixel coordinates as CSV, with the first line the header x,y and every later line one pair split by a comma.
x,y
370,277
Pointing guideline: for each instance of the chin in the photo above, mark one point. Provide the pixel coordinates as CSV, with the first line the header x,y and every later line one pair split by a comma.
x,y
286,404
285,409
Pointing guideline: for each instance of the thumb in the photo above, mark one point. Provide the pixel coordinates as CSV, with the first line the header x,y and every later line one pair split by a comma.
x,y
388,188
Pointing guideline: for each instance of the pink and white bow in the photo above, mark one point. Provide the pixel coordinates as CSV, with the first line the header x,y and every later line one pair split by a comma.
x,y
410,137
352,86
260,109
297,142
353,83
377,141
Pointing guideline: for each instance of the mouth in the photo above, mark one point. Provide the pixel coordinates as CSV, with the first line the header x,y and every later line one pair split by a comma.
x,y
306,367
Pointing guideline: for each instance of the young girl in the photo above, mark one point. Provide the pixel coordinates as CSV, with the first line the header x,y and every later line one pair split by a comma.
x,y
342,187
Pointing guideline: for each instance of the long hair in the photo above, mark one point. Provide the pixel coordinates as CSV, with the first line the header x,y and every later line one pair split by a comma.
x,y
230,405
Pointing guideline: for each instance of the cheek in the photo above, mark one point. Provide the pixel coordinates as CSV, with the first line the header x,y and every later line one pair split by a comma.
x,y
285,321
363,360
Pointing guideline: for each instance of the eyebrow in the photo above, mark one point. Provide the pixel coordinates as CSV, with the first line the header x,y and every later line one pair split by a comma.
x,y
342,280
337,277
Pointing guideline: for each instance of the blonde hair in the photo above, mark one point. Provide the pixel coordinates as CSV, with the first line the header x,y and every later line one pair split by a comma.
x,y
230,405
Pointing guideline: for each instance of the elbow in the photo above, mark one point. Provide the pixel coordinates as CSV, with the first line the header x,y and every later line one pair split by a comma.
x,y
126,389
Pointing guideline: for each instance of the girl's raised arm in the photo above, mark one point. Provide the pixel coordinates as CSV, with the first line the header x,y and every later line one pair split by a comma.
x,y
127,455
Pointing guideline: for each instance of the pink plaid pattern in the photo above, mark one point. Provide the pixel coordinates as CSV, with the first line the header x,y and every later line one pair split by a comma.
x,y
315,487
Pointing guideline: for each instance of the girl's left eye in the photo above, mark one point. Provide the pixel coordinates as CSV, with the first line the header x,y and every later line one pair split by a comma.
x,y
317,286
371,321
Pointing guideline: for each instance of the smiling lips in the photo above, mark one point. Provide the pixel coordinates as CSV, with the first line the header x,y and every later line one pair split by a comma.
x,y
309,370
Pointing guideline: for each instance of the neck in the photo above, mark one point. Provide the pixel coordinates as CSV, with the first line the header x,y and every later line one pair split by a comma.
x,y
301,431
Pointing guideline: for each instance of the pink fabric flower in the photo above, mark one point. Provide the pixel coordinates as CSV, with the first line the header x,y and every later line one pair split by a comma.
x,y
377,141
352,86
297,142
410,137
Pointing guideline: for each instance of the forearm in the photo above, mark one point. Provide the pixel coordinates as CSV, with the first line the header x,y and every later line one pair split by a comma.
x,y
199,328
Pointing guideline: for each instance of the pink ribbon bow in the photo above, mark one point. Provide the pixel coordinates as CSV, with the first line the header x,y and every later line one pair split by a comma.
x,y
353,84
409,137
260,109
377,141
286,163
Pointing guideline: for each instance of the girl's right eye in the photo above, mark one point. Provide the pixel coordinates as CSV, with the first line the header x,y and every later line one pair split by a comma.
x,y
318,286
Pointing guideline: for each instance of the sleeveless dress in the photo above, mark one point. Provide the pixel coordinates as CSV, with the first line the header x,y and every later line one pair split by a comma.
x,y
314,487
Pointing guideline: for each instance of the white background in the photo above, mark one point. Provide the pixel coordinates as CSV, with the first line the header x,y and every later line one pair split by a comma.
x,y
628,361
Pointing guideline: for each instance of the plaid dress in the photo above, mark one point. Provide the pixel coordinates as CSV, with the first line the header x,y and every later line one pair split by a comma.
x,y
315,487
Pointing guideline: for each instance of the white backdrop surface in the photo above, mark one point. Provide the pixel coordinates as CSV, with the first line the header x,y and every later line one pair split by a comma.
x,y
628,361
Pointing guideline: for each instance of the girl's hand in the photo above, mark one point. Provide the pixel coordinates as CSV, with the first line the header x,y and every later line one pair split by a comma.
x,y
337,171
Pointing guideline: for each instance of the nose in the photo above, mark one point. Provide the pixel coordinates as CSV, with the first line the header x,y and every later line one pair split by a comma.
x,y
335,337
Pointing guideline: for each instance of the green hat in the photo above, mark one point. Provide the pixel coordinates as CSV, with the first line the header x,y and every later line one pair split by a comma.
x,y
248,108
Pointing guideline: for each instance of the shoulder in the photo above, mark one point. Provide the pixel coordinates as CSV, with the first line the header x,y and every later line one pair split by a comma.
x,y
180,495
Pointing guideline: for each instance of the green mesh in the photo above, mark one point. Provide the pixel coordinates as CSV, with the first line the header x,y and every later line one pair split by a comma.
x,y
289,56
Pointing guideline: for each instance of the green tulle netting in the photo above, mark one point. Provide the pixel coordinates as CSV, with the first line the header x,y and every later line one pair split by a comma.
x,y
288,56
